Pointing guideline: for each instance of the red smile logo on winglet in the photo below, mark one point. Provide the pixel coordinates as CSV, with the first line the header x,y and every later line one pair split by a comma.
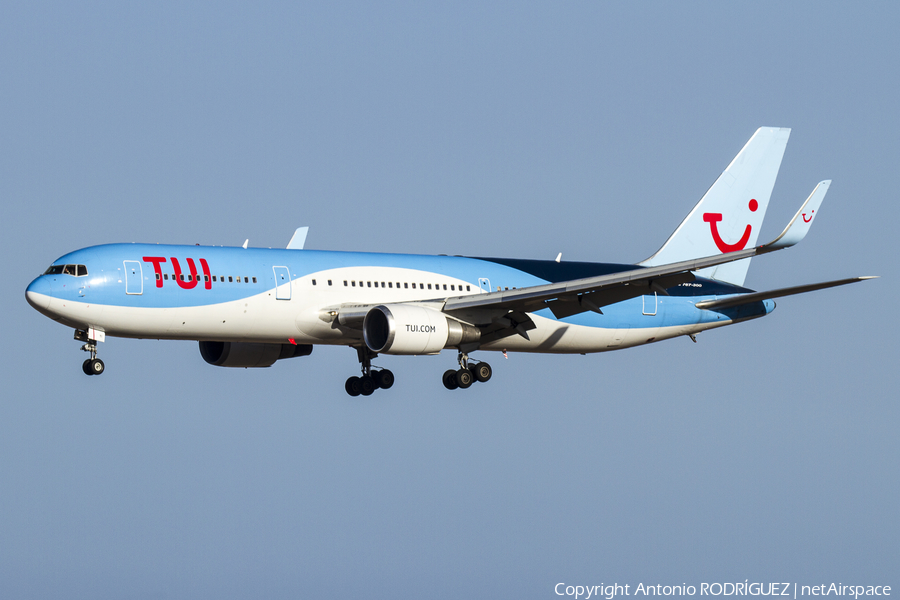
x,y
713,218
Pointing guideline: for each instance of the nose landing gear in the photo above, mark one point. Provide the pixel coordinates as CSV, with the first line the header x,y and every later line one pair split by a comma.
x,y
371,380
466,375
93,365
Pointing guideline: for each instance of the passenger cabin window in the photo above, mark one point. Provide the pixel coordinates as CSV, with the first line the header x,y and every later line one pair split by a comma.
x,y
246,280
254,281
230,279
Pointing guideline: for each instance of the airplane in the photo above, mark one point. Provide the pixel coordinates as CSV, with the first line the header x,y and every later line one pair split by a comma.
x,y
250,307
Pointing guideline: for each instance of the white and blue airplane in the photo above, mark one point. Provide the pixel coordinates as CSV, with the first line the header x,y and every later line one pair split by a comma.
x,y
250,307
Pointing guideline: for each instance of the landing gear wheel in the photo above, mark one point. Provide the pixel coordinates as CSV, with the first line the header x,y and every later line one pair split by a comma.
x,y
353,386
86,367
96,366
464,378
482,372
384,379
449,380
367,385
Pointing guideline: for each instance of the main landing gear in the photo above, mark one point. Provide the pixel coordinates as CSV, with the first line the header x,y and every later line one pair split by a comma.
x,y
467,374
93,365
370,380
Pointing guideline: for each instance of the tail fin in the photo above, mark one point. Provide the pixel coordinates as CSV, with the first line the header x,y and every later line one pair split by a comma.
x,y
730,214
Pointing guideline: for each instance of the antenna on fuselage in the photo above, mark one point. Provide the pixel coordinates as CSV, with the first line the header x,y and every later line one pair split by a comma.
x,y
247,241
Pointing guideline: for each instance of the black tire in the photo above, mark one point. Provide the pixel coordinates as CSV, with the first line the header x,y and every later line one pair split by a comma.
x,y
449,380
96,366
86,367
464,378
384,379
353,386
482,372
367,385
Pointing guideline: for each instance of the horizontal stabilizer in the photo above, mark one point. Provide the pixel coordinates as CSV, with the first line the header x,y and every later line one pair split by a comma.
x,y
740,299
298,239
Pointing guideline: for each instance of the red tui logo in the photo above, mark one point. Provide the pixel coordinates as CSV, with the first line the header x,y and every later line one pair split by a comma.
x,y
722,245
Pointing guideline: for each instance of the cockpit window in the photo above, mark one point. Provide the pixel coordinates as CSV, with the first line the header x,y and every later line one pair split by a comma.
x,y
73,270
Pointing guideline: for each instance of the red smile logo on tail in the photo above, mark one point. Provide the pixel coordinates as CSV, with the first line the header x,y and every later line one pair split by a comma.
x,y
713,218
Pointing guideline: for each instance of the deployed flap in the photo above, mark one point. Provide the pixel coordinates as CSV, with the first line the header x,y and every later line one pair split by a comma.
x,y
729,216
298,239
740,299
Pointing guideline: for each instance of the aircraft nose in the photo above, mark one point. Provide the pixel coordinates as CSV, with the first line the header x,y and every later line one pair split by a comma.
x,y
38,293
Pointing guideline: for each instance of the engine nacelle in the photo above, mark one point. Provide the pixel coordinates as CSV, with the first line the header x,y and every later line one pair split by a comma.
x,y
409,329
245,354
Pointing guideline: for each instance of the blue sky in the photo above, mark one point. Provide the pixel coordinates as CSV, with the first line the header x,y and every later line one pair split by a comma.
x,y
766,451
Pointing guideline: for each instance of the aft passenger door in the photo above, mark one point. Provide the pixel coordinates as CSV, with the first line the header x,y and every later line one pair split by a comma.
x,y
282,283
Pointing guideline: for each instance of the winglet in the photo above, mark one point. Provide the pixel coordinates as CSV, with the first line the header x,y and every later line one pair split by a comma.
x,y
802,221
298,239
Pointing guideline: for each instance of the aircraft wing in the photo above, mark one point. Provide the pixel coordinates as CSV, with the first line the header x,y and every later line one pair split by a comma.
x,y
592,293
504,312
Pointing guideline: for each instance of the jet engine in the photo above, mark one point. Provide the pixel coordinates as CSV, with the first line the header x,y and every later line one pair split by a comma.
x,y
245,354
409,329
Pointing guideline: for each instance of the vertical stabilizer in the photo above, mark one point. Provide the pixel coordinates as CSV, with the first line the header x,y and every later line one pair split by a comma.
x,y
729,216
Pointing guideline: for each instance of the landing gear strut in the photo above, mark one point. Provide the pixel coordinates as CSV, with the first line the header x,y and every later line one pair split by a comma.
x,y
93,365
467,374
370,380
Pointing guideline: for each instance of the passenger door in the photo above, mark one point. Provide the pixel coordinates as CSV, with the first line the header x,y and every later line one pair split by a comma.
x,y
134,278
282,283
